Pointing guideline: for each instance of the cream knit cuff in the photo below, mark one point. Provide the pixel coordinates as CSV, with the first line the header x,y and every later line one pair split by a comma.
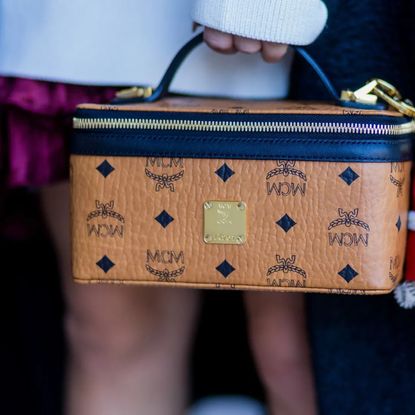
x,y
295,22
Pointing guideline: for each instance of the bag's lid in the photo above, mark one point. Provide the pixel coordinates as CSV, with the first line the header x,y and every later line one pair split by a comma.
x,y
209,128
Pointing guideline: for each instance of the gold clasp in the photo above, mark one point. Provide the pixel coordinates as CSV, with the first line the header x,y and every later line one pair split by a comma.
x,y
391,95
362,95
135,92
378,88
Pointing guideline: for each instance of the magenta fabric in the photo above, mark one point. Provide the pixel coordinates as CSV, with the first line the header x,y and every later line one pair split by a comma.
x,y
36,126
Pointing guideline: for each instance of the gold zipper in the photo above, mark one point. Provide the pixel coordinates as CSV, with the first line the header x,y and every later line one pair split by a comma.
x,y
244,126
370,93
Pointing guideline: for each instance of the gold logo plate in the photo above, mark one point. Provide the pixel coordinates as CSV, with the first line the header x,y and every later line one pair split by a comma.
x,y
224,222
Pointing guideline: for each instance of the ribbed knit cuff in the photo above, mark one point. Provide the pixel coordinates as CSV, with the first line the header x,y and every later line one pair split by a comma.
x,y
294,22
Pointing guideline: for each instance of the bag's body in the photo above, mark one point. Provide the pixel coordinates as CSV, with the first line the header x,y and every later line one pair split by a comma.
x,y
235,194
324,195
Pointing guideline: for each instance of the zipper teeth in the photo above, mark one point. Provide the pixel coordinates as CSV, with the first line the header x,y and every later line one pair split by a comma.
x,y
245,126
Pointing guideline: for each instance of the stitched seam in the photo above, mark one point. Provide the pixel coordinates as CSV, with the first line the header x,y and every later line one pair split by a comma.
x,y
237,155
212,284
256,140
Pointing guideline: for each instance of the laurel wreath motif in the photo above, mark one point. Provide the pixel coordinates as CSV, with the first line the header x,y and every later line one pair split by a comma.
x,y
398,183
286,168
165,275
286,265
348,219
164,180
105,210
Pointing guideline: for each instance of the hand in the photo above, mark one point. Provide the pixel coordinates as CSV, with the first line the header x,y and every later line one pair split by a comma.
x,y
228,43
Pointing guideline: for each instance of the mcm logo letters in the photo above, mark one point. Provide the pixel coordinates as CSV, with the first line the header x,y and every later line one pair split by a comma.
x,y
164,180
348,239
284,186
286,266
104,229
161,258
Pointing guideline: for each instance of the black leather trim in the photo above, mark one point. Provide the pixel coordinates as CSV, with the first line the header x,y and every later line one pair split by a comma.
x,y
335,148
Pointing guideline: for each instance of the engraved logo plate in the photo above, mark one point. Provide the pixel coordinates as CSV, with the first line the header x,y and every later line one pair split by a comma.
x,y
224,222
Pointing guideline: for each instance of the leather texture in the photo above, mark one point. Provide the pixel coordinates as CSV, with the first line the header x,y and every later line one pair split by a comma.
x,y
190,142
227,106
287,146
311,226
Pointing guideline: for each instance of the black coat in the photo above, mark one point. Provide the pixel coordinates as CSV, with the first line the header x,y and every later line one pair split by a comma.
x,y
364,347
363,39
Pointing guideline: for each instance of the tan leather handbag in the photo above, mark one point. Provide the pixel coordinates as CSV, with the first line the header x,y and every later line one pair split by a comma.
x,y
284,196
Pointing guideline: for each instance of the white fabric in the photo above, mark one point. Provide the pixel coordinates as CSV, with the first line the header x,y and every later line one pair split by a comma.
x,y
123,42
295,22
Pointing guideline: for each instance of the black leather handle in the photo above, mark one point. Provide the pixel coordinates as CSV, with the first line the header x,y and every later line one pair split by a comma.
x,y
164,85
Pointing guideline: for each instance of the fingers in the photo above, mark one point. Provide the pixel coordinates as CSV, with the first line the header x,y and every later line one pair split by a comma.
x,y
245,45
228,43
219,41
273,52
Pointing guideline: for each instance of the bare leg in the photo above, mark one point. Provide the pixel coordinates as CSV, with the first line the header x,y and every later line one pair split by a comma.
x,y
128,346
277,331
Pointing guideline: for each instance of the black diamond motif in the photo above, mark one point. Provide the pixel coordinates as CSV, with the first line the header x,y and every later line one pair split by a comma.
x,y
225,172
105,168
286,223
399,223
225,268
348,273
105,264
349,176
164,219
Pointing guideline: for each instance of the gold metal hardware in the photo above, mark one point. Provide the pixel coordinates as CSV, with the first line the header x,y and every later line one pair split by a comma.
x,y
362,95
207,238
378,88
135,92
244,126
224,222
392,96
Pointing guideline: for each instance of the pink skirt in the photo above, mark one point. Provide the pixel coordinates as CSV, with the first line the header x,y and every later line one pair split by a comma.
x,y
36,126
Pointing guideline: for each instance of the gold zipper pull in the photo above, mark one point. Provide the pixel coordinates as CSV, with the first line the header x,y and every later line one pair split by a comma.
x,y
377,88
384,90
362,95
135,92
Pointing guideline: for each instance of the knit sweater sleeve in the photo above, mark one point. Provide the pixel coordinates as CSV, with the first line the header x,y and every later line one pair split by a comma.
x,y
295,22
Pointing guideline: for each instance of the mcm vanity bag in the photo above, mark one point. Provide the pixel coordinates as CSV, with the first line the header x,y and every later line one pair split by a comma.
x,y
209,193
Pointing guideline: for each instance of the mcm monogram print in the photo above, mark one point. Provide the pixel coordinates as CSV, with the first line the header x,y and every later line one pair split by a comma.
x,y
286,265
393,277
348,219
105,210
394,268
399,185
284,187
286,168
164,181
165,275
163,258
